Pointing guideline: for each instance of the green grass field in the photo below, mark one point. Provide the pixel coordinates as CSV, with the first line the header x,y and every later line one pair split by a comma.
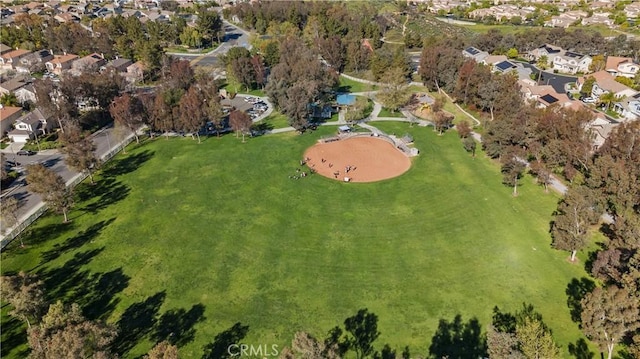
x,y
348,85
198,237
385,112
275,120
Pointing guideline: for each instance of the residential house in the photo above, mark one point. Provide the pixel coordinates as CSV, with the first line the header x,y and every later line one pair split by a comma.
x,y
120,65
571,62
135,72
26,93
8,114
61,63
544,95
621,66
600,129
4,49
26,128
545,50
476,54
66,17
491,60
600,18
21,87
154,16
92,62
567,19
628,108
10,60
632,10
604,82
35,61
505,66
35,5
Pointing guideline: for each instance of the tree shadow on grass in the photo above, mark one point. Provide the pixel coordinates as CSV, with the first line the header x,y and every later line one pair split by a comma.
x,y
259,129
137,321
458,340
97,294
33,236
177,325
13,335
94,292
576,290
76,241
115,192
219,348
126,164
59,281
580,350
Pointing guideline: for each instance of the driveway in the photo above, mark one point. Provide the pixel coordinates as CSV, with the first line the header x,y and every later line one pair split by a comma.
x,y
557,81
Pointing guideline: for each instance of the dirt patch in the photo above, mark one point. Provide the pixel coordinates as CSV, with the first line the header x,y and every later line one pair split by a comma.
x,y
370,159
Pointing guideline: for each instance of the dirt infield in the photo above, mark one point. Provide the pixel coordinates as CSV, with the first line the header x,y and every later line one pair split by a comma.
x,y
371,159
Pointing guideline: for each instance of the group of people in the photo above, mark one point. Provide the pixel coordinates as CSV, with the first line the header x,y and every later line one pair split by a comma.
x,y
300,173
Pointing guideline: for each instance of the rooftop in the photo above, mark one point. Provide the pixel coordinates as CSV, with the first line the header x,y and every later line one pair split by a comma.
x,y
7,112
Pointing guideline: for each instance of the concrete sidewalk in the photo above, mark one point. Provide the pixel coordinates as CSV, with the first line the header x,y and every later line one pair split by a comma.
x,y
13,148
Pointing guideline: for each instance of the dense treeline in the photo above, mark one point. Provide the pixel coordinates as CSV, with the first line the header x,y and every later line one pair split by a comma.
x,y
331,29
556,140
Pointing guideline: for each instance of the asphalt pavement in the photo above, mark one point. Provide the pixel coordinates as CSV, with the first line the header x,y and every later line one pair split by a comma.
x,y
557,81
234,36
104,140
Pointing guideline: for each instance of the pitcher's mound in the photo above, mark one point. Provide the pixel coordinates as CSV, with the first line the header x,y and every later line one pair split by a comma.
x,y
367,159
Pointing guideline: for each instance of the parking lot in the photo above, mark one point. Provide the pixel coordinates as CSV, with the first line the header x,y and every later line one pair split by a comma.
x,y
253,106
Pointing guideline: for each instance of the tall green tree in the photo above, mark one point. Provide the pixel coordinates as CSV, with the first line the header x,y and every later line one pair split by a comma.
x,y
535,340
363,331
512,170
24,292
192,111
127,112
240,122
575,214
395,91
80,151
65,333
51,187
608,314
209,25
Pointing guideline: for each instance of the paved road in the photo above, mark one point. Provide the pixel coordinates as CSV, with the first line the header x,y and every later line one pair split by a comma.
x,y
234,36
557,81
103,139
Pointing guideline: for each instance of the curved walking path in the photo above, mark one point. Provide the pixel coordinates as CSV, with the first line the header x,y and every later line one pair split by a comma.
x,y
555,183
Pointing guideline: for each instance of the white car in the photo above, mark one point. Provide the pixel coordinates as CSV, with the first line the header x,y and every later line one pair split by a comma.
x,y
589,100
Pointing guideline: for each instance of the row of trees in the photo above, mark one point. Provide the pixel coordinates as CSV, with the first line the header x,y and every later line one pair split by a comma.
x,y
299,81
185,102
62,331
556,140
346,38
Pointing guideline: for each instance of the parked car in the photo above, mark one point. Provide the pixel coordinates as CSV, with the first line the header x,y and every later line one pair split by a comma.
x,y
589,100
25,153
